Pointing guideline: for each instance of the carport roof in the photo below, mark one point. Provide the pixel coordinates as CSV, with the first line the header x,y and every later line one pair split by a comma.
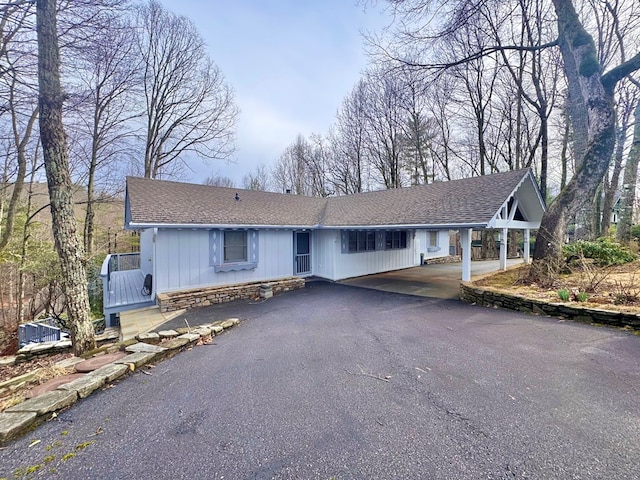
x,y
467,202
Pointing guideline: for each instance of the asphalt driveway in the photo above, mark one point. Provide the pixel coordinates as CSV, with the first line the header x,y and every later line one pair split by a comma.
x,y
340,382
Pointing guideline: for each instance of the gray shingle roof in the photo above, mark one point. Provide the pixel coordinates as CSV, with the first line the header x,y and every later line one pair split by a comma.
x,y
471,201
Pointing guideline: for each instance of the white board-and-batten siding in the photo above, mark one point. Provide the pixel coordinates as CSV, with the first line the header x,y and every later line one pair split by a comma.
x,y
325,251
183,257
331,262
440,249
146,251
183,260
380,260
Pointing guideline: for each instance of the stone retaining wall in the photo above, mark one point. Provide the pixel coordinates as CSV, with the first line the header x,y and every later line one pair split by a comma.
x,y
481,296
202,297
440,260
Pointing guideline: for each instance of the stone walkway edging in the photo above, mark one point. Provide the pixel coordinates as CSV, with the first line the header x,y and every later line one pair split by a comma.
x,y
482,296
24,416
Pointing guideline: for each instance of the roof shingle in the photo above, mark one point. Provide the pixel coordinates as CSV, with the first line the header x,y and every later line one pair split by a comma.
x,y
470,201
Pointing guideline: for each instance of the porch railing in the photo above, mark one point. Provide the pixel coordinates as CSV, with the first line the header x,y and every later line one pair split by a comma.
x,y
118,262
42,331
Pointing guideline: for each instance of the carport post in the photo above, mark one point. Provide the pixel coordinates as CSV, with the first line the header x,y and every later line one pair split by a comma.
x,y
503,248
465,242
527,245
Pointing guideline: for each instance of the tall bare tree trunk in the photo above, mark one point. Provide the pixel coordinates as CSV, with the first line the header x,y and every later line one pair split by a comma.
x,y
627,201
610,186
54,145
90,212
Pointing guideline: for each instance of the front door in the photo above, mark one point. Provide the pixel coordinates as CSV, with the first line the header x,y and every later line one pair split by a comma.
x,y
302,246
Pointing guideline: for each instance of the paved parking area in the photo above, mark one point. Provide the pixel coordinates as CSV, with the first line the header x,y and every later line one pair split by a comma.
x,y
339,382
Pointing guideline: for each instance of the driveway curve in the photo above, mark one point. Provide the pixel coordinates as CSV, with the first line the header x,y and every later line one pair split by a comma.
x,y
333,381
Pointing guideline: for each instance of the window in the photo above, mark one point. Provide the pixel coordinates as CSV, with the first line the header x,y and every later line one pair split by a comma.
x,y
233,250
235,246
361,241
395,240
433,239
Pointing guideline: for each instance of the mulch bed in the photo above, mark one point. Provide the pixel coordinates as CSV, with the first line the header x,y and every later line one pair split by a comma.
x,y
11,371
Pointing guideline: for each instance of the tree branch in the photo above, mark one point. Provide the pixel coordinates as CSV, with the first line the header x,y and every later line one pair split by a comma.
x,y
483,52
612,77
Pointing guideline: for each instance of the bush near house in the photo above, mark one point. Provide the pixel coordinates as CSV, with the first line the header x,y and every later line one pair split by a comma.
x,y
603,252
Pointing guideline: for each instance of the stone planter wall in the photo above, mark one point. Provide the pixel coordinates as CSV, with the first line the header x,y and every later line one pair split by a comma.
x,y
202,297
441,260
481,296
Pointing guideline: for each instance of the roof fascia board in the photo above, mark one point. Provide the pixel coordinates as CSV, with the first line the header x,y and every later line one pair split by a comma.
x,y
438,226
198,226
528,175
543,204
515,224
190,226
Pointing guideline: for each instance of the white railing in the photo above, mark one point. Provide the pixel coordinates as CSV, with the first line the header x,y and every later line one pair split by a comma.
x,y
118,262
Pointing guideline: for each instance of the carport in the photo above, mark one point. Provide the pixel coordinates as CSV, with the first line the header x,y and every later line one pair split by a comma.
x,y
435,281
522,210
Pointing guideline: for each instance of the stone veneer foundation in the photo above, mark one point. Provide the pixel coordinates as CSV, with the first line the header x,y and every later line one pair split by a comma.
x,y
202,297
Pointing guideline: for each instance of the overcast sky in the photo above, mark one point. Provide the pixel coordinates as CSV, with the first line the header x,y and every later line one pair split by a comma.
x,y
290,63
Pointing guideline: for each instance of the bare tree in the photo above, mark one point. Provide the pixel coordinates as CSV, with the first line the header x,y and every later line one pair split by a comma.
x,y
630,179
189,108
54,147
418,131
289,170
258,179
478,78
348,139
536,70
385,119
106,73
317,166
218,180
590,93
628,96
16,74
442,148
594,92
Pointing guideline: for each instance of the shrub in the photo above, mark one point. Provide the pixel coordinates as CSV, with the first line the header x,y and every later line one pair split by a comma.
x,y
635,232
564,294
603,252
582,297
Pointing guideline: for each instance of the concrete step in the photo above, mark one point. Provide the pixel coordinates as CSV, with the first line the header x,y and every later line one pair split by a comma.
x,y
135,322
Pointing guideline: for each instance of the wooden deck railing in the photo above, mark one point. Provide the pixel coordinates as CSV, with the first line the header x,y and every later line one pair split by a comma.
x,y
41,331
116,262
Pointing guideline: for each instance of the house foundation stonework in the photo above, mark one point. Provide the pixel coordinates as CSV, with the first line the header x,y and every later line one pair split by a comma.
x,y
203,297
